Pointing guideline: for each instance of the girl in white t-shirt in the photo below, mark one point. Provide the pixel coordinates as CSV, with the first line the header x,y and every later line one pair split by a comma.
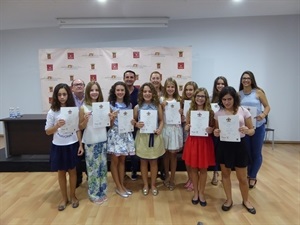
x,y
66,147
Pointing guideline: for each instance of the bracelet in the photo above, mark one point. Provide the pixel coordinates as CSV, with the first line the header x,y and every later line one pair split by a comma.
x,y
264,114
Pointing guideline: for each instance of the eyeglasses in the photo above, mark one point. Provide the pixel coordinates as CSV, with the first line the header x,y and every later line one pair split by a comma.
x,y
200,96
246,78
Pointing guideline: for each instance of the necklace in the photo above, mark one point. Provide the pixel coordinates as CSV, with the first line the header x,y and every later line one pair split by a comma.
x,y
248,93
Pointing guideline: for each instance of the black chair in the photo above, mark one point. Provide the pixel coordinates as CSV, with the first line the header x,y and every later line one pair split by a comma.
x,y
268,129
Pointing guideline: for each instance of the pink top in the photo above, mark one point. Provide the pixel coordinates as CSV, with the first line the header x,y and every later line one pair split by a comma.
x,y
242,112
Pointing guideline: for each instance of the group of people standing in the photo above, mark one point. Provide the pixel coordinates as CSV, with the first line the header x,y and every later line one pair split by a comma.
x,y
199,152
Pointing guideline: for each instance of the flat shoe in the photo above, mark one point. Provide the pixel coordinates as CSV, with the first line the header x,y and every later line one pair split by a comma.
x,y
226,208
123,195
204,203
129,192
195,202
154,192
62,207
252,185
250,210
145,191
75,204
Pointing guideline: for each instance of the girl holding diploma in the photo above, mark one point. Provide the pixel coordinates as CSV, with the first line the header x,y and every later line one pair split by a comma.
x,y
94,140
119,145
65,149
234,154
199,151
188,90
149,146
172,133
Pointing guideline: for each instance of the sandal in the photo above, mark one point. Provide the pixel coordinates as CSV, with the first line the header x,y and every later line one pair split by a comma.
x,y
75,203
188,183
62,207
191,187
166,183
214,180
171,186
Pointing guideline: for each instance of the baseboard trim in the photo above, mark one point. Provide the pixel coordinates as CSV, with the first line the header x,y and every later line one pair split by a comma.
x,y
283,142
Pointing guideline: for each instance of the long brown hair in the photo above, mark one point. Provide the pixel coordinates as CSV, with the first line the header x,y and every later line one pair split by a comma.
x,y
87,97
176,95
155,99
215,95
253,81
55,103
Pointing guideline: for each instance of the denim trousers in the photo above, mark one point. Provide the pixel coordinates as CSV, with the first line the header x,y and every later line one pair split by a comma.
x,y
254,145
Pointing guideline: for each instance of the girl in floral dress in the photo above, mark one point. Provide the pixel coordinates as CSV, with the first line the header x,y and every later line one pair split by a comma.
x,y
119,145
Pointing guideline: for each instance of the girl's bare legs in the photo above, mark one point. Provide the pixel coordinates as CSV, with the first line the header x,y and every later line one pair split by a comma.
x,y
121,170
62,180
114,168
166,161
173,162
241,174
195,181
227,184
72,181
202,181
144,172
153,172
189,183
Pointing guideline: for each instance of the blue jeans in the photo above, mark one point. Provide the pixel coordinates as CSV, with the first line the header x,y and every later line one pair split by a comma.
x,y
254,145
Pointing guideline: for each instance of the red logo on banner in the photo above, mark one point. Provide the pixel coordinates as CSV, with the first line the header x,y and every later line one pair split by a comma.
x,y
114,66
180,65
70,55
136,55
49,67
93,77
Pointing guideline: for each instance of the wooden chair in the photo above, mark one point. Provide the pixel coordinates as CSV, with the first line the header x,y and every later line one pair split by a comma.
x,y
268,129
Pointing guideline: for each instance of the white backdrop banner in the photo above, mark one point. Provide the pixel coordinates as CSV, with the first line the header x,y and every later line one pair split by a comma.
x,y
107,65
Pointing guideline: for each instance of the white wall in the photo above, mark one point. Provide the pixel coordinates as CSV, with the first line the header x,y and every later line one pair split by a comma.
x,y
268,46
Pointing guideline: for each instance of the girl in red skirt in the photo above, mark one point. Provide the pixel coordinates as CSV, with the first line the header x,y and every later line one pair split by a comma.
x,y
198,151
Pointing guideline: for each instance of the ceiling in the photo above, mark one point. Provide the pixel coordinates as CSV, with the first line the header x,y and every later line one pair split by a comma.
x,y
22,14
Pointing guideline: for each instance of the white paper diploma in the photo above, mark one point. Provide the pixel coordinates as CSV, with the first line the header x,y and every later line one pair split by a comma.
x,y
215,107
149,117
186,107
199,123
229,128
253,112
100,114
124,121
172,113
71,117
